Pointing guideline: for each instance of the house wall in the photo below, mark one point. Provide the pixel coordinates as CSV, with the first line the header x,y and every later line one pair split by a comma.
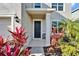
x,y
31,5
10,8
57,14
5,25
48,29
20,10
26,22
7,12
43,26
62,14
15,8
46,23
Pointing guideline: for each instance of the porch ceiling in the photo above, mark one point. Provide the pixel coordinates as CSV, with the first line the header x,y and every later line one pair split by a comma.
x,y
37,16
38,12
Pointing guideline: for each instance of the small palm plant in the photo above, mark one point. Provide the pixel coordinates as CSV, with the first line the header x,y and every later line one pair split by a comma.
x,y
71,38
71,29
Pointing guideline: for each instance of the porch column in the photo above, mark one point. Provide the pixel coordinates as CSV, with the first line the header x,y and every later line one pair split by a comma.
x,y
48,29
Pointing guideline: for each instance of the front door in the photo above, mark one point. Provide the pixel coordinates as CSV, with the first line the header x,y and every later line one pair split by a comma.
x,y
37,29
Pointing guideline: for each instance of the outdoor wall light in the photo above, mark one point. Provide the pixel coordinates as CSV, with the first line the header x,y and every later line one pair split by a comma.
x,y
17,19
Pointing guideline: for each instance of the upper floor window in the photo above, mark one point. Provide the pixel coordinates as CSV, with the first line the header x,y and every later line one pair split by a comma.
x,y
37,5
54,5
58,6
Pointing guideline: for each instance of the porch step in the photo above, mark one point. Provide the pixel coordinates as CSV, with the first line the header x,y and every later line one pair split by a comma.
x,y
37,43
37,51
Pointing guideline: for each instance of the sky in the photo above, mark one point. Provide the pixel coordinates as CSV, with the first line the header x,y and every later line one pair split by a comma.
x,y
75,6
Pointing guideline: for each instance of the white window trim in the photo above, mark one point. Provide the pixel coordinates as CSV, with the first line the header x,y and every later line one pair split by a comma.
x,y
57,6
12,20
63,7
54,5
57,22
33,28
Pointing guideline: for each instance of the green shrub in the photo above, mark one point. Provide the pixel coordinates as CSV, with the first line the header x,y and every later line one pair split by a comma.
x,y
70,43
68,50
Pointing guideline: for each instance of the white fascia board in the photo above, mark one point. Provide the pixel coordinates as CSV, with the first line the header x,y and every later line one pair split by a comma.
x,y
6,15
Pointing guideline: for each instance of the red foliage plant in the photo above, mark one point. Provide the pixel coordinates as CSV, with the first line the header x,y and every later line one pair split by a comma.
x,y
1,41
55,38
19,35
9,49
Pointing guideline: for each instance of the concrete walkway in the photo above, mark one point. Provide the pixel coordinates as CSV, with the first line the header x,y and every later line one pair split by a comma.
x,y
37,51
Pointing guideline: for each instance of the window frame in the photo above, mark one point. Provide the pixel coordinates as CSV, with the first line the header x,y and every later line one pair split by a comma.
x,y
54,5
57,23
35,5
59,5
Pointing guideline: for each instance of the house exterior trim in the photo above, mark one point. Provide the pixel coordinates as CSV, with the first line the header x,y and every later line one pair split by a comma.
x,y
33,28
12,20
75,10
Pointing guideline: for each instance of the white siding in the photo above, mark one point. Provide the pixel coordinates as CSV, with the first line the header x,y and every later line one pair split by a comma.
x,y
44,25
27,23
75,15
48,28
10,8
62,14
5,25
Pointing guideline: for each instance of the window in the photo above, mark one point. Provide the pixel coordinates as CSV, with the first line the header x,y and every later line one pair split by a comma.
x,y
56,24
37,5
54,5
58,6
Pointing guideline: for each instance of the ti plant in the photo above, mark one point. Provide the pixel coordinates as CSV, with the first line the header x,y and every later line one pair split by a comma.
x,y
14,47
54,42
19,36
